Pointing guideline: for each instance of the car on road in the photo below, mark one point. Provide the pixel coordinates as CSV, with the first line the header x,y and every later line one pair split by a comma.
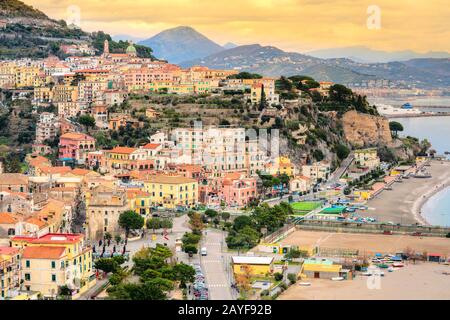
x,y
204,252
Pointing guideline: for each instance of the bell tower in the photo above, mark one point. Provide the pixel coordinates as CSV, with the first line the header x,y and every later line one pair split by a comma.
x,y
106,48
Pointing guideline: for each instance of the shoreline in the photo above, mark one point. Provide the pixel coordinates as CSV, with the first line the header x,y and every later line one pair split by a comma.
x,y
403,204
419,203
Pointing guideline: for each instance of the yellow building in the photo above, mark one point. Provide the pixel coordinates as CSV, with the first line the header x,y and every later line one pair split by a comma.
x,y
172,191
363,194
9,272
282,165
26,76
118,159
140,202
367,158
256,266
55,260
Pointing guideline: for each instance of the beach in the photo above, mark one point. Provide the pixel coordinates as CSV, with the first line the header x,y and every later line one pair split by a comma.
x,y
404,202
420,281
367,244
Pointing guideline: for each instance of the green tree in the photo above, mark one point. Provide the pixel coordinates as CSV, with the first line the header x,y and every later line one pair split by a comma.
x,y
342,151
154,224
225,216
210,213
130,220
87,121
395,127
107,265
184,273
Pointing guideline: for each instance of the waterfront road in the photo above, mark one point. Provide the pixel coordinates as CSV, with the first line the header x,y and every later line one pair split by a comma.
x,y
216,266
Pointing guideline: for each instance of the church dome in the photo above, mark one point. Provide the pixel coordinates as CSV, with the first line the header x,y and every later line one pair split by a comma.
x,y
131,50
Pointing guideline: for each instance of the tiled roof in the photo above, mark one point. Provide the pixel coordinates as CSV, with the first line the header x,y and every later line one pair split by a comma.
x,y
42,252
13,179
7,218
76,136
122,150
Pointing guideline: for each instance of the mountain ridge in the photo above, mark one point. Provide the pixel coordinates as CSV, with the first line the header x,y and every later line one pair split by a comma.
x,y
181,43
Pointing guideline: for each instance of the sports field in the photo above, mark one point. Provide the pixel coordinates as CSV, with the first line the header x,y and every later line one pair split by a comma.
x,y
304,207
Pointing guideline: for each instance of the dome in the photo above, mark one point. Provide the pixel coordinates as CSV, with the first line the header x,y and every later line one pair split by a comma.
x,y
131,50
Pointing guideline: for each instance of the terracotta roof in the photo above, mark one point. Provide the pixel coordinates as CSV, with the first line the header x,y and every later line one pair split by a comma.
x,y
42,252
81,172
76,136
151,146
36,221
122,150
8,251
7,218
51,238
13,179
55,170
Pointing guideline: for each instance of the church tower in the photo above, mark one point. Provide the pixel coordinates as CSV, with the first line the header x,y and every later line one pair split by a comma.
x,y
106,48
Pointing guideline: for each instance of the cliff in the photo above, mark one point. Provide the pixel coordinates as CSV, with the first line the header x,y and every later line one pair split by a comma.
x,y
363,130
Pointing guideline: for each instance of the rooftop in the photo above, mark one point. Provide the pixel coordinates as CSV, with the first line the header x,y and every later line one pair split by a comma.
x,y
41,252
253,260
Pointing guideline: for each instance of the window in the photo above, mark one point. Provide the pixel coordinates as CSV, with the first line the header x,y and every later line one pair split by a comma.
x,y
27,277
53,264
27,263
53,277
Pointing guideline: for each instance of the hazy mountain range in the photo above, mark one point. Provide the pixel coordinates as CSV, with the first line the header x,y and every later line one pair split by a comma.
x,y
364,54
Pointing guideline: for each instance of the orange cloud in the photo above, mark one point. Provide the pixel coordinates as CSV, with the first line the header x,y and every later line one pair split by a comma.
x,y
296,25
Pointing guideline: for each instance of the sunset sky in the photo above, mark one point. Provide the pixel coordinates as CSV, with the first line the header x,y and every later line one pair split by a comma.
x,y
293,25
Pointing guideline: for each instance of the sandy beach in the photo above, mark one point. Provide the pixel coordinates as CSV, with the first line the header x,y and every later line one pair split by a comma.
x,y
368,243
421,281
403,203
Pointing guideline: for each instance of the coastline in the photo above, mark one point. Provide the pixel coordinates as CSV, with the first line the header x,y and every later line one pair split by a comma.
x,y
419,203
403,204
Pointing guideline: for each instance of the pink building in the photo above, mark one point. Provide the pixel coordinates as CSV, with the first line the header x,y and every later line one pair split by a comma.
x,y
75,145
238,191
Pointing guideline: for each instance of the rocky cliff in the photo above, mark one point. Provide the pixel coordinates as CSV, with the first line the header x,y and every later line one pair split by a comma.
x,y
363,130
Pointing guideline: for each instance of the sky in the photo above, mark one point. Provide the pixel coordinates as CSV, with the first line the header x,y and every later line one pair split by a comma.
x,y
291,25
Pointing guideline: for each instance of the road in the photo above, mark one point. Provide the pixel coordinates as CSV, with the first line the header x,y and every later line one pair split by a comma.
x,y
216,266
339,172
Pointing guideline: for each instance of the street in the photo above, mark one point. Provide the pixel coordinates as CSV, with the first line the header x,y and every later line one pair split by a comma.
x,y
216,266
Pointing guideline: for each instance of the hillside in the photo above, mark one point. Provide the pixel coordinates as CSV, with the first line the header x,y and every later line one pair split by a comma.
x,y
180,44
29,33
272,61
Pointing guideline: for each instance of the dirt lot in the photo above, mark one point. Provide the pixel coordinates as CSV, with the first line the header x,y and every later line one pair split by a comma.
x,y
369,243
420,281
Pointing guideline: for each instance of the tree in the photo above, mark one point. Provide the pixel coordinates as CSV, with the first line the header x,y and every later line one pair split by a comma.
x,y
211,213
166,223
190,248
190,238
225,216
184,273
130,220
342,151
196,223
108,236
241,222
292,277
87,121
278,276
107,265
395,127
154,224
318,155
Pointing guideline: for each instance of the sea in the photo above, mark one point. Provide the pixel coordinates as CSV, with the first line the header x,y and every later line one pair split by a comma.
x,y
436,211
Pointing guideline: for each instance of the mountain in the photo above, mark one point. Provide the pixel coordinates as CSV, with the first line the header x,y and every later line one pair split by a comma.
x,y
367,55
229,45
180,44
126,37
271,61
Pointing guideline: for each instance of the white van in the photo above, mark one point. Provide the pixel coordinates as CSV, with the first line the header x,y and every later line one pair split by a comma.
x,y
203,252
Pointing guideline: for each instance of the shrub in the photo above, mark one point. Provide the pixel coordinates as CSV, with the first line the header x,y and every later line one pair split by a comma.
x,y
278,276
292,277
